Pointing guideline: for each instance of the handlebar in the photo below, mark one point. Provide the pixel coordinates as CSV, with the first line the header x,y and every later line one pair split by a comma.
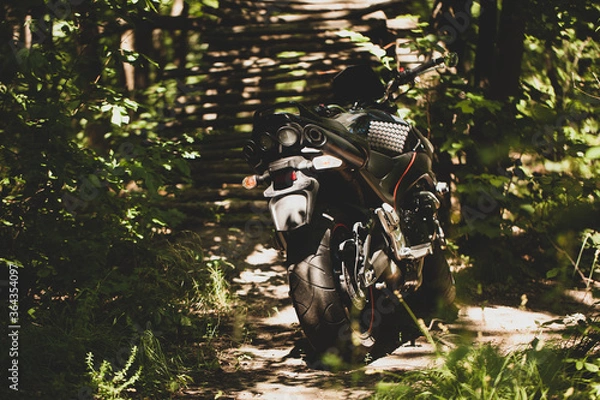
x,y
409,75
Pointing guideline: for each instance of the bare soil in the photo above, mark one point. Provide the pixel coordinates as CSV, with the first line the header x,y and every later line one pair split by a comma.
x,y
268,357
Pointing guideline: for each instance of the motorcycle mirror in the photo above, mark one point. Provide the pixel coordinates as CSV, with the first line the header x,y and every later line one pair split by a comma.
x,y
451,60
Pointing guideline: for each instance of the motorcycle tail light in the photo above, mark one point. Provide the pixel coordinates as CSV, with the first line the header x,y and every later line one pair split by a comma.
x,y
283,178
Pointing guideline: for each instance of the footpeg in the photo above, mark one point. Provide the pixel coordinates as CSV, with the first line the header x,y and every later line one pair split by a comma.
x,y
391,225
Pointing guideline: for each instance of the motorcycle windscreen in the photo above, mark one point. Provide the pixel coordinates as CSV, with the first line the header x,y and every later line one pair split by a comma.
x,y
292,210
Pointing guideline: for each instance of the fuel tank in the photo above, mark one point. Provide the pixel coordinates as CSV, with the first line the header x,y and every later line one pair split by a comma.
x,y
399,154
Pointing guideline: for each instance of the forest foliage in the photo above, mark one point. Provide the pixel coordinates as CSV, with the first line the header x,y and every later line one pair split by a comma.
x,y
516,126
520,148
85,164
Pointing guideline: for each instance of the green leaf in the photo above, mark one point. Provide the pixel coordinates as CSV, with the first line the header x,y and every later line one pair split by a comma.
x,y
527,208
182,165
356,37
553,273
11,262
290,54
465,106
591,367
593,153
131,104
95,180
116,118
377,51
119,115
158,222
185,321
190,154
541,113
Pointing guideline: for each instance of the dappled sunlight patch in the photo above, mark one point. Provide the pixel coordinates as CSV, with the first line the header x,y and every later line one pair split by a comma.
x,y
262,255
500,317
506,326
255,276
582,297
284,316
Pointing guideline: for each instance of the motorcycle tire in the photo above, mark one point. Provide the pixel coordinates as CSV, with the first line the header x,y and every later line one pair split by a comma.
x,y
435,298
329,322
322,314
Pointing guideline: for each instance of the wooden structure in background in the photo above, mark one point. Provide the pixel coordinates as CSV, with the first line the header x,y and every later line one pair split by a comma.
x,y
257,53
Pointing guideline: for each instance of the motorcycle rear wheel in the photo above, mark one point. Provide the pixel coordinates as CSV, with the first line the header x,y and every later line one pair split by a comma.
x,y
324,315
329,321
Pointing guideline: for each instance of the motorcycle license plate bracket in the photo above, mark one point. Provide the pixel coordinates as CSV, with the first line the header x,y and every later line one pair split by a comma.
x,y
301,183
292,206
283,178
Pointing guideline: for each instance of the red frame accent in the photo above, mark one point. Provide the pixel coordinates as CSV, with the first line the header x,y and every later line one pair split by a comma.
x,y
410,164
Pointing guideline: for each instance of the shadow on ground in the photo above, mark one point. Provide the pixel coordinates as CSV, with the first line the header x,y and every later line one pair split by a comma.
x,y
270,362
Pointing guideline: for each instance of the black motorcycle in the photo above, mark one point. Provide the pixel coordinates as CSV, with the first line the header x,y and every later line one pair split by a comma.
x,y
354,202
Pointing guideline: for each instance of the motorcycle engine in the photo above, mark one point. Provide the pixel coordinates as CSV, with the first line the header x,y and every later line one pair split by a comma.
x,y
418,218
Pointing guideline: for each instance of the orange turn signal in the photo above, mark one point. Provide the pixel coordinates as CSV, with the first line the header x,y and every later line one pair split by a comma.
x,y
250,182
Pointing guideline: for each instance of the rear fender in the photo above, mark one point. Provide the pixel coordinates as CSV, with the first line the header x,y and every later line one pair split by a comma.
x,y
294,206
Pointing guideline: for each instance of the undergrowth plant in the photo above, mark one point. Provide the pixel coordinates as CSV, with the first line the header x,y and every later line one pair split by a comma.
x,y
480,372
109,384
561,369
165,370
470,373
218,294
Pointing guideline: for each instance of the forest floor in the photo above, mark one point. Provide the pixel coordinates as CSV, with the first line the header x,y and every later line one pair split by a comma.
x,y
261,353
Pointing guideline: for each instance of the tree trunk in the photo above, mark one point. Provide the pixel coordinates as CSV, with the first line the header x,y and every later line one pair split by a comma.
x,y
510,49
127,44
180,9
452,19
485,56
143,46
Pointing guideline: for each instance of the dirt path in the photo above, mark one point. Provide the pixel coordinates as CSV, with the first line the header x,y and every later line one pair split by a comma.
x,y
270,363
